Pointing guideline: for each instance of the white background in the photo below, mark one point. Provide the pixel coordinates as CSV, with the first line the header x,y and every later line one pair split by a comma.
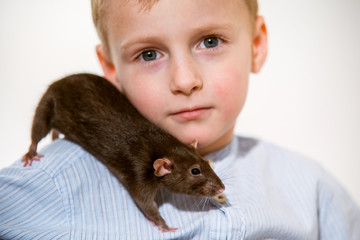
x,y
307,98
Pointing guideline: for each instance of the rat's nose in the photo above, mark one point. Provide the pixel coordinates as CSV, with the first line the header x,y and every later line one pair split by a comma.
x,y
220,191
220,198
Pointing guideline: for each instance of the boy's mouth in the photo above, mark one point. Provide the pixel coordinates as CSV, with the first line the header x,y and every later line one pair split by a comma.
x,y
187,114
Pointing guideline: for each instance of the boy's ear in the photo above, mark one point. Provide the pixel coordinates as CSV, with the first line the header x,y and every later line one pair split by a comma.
x,y
107,66
259,45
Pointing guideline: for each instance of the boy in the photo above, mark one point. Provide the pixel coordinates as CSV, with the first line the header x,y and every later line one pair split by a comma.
x,y
185,66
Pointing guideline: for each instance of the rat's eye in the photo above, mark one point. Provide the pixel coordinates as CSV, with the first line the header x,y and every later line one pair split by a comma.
x,y
195,171
149,55
210,42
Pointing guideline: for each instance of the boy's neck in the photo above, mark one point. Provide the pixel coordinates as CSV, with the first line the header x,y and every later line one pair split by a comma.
x,y
217,145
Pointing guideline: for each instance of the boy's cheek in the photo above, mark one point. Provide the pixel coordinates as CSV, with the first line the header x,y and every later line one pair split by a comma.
x,y
230,82
231,91
146,103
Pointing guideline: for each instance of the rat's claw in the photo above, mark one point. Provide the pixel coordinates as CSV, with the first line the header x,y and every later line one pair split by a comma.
x,y
167,229
37,157
28,161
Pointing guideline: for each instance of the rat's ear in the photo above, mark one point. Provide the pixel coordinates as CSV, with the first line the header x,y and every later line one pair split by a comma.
x,y
162,167
107,66
195,143
259,44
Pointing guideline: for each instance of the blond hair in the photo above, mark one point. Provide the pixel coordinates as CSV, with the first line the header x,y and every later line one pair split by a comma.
x,y
99,11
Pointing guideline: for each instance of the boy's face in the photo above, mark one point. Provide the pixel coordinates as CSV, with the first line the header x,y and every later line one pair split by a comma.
x,y
184,64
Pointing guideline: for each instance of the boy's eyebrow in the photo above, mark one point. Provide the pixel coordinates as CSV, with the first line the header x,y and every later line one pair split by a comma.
x,y
197,30
139,40
213,27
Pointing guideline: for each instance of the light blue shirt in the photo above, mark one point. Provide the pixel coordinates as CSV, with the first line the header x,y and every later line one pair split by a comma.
x,y
271,194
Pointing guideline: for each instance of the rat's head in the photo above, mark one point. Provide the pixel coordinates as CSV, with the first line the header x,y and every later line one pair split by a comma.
x,y
187,172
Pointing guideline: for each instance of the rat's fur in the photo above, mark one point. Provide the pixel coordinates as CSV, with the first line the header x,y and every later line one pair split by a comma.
x,y
91,112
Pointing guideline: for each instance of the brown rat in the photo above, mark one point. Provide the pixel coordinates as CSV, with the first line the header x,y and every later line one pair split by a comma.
x,y
91,112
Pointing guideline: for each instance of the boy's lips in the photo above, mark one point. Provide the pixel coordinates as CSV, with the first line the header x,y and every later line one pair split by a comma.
x,y
187,114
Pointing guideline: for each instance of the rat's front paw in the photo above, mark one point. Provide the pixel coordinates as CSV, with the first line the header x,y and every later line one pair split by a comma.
x,y
30,157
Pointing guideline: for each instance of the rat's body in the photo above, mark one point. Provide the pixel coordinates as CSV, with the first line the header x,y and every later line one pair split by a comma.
x,y
91,112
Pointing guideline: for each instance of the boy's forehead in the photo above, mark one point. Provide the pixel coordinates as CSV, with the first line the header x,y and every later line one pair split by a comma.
x,y
146,5
168,21
122,13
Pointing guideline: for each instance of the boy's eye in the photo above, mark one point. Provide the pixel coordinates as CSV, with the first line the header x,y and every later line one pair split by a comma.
x,y
210,42
149,55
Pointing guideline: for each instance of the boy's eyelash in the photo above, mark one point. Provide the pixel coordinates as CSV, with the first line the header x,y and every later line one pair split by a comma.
x,y
138,56
214,36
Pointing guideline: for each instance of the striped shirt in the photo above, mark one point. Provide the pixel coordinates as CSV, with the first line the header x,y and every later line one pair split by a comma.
x,y
271,194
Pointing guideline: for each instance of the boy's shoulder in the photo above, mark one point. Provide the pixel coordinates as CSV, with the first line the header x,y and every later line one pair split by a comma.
x,y
57,188
273,180
265,151
271,161
58,157
277,160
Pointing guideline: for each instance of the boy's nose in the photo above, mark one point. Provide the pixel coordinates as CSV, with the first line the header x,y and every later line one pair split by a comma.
x,y
185,78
